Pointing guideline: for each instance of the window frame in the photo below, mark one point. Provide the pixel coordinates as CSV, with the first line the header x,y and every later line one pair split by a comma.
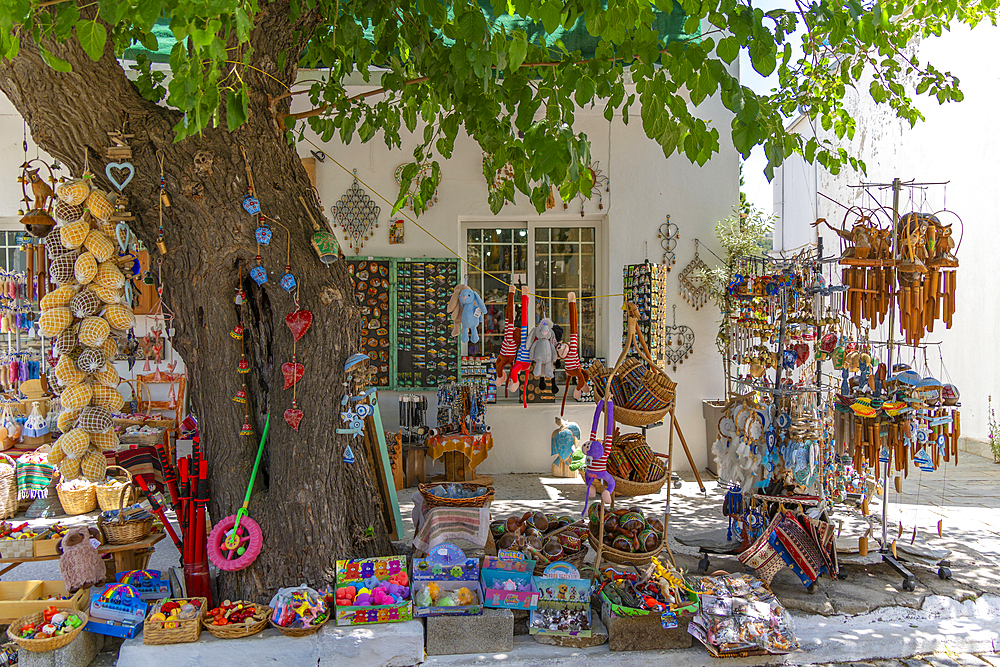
x,y
517,223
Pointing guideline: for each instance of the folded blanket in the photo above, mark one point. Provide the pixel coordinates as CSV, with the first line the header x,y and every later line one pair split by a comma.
x,y
33,476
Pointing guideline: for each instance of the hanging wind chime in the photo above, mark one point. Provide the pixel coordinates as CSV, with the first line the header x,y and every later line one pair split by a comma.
x,y
691,281
357,214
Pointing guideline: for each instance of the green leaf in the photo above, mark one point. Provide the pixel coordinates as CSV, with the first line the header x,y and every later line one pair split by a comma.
x,y
728,49
236,113
92,37
517,50
762,56
56,63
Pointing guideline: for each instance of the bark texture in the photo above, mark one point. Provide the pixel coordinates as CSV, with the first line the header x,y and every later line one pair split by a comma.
x,y
312,507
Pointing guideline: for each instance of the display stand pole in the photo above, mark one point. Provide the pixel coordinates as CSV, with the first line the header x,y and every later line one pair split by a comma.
x,y
670,468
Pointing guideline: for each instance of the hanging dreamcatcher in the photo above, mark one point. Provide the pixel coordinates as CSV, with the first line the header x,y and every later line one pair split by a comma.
x,y
357,214
691,281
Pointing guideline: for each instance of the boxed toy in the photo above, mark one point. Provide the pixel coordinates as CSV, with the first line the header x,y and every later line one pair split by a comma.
x,y
147,583
445,582
508,582
563,603
373,590
117,611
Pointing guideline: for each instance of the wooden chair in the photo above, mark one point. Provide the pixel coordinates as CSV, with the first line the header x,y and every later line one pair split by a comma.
x,y
175,404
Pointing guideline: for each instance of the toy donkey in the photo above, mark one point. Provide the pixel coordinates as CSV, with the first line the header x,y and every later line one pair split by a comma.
x,y
467,310
597,453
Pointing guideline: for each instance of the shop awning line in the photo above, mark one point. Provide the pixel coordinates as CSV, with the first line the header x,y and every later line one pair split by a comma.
x,y
442,243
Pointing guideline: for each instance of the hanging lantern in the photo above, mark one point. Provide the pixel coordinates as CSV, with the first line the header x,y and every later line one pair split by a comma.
x,y
241,396
237,332
244,366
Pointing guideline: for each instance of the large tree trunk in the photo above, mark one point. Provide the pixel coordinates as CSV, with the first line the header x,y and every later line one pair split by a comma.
x,y
311,506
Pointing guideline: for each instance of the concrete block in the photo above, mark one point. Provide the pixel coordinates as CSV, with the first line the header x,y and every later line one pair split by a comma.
x,y
78,653
490,632
644,633
598,635
954,660
385,645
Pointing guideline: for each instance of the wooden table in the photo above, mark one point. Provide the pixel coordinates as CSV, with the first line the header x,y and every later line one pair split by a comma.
x,y
124,554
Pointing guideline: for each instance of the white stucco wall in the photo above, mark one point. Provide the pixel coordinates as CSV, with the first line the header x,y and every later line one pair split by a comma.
x,y
956,143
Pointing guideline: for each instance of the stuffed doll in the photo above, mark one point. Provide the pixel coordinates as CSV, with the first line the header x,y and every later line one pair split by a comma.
x,y
508,349
570,355
597,454
542,346
522,362
467,310
79,563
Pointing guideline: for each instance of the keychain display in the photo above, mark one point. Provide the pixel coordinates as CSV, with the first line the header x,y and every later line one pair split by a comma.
x,y
371,289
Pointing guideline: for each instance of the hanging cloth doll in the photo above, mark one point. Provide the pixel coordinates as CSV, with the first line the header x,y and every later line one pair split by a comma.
x,y
508,349
571,357
523,360
542,344
36,425
597,453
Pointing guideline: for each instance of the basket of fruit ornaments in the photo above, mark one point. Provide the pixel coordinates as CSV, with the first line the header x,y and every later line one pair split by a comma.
x,y
232,620
47,630
174,621
628,537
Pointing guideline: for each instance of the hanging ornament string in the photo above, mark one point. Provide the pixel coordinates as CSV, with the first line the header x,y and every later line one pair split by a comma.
x,y
287,280
262,234
243,368
160,243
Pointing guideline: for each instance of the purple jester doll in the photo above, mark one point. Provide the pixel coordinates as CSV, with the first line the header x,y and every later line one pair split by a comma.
x,y
597,453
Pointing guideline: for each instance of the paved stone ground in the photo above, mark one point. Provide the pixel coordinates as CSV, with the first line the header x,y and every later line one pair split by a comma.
x,y
933,660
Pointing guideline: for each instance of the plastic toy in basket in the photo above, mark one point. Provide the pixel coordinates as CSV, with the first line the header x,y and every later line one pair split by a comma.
x,y
147,583
299,607
118,602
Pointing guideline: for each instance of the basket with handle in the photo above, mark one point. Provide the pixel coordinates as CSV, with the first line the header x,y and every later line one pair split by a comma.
x,y
108,494
179,631
645,391
121,530
77,501
44,644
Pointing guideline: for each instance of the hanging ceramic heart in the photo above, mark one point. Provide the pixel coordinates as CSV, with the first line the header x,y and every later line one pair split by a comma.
x,y
299,323
293,416
120,167
263,234
259,275
293,372
288,282
251,204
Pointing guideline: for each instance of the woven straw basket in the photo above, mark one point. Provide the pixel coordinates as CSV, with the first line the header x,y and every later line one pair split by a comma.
x,y
239,630
298,632
109,494
123,531
8,487
79,501
155,633
49,644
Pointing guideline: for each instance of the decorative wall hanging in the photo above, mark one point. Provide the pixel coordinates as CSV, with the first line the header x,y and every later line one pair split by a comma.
x,y
357,214
601,185
164,200
676,351
691,286
298,322
37,214
396,232
669,235
423,173
238,333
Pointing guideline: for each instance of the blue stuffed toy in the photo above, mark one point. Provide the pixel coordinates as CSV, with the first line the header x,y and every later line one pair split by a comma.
x,y
467,310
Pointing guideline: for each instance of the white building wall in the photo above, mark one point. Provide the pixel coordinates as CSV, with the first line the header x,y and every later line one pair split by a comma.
x,y
956,143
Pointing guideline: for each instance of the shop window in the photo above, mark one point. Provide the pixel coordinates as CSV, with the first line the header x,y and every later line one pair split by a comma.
x,y
550,261
12,236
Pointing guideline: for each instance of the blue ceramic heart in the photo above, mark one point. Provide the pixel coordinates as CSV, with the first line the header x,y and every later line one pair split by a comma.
x,y
259,275
121,166
263,235
251,204
288,282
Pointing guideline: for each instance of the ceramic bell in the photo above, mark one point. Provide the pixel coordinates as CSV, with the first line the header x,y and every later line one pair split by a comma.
x,y
251,204
259,275
263,233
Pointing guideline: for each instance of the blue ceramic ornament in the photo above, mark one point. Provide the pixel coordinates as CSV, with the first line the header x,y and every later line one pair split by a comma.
x,y
348,455
288,282
259,275
263,234
251,204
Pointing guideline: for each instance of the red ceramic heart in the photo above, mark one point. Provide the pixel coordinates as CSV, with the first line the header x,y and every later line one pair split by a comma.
x,y
292,372
292,417
299,323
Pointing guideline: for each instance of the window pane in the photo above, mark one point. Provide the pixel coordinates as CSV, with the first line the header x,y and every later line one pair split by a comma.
x,y
490,236
475,235
587,234
542,234
520,258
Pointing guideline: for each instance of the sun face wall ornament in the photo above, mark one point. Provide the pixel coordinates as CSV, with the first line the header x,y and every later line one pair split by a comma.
x,y
357,214
602,185
415,187
691,286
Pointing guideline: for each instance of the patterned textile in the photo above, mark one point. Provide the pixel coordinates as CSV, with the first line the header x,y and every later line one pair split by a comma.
x,y
641,457
509,346
572,360
762,557
822,534
144,461
33,476
800,547
618,464
789,561
468,527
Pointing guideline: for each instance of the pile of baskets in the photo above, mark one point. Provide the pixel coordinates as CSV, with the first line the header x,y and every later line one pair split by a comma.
x,y
637,469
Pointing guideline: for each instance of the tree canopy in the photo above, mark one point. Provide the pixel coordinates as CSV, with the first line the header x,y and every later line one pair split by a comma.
x,y
442,66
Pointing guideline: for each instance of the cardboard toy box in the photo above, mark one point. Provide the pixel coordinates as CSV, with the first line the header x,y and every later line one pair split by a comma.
x,y
20,598
353,572
447,567
561,588
149,584
497,571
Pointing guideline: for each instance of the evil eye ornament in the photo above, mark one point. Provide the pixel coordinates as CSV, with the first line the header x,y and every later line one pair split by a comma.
x,y
784,421
364,410
288,282
259,275
263,234
251,204
922,436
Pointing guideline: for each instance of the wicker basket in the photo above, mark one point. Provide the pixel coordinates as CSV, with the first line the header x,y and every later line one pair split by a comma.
x,y
298,632
239,630
108,494
622,557
49,644
625,487
76,502
155,634
430,500
17,548
122,531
